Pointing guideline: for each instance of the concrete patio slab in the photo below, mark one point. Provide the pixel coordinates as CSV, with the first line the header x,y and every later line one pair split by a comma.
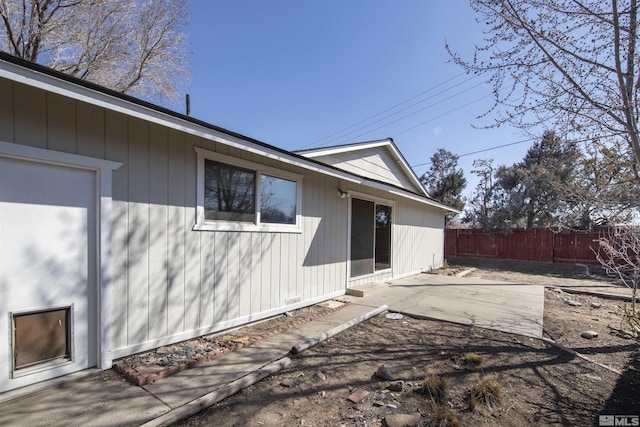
x,y
507,307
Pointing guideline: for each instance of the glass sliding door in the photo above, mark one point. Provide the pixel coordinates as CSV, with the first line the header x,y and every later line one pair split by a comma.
x,y
370,237
362,235
383,237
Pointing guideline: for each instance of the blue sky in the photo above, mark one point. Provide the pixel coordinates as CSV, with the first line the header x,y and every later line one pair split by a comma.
x,y
294,73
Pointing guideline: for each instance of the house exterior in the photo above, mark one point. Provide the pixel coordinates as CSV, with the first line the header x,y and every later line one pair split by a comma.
x,y
125,226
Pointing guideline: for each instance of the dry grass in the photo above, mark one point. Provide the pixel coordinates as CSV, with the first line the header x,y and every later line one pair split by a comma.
x,y
470,358
436,388
473,358
486,392
443,416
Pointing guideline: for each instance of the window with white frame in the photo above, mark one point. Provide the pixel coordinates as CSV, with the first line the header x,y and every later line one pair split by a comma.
x,y
235,194
229,192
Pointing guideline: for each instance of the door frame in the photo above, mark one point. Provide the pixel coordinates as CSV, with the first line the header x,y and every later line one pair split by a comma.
x,y
103,199
377,201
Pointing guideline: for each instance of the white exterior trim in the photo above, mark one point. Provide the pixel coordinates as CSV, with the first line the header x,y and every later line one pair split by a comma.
x,y
103,170
33,78
343,148
388,143
375,200
203,225
39,80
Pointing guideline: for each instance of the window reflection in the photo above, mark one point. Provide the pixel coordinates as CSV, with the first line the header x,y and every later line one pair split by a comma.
x,y
277,200
229,192
383,237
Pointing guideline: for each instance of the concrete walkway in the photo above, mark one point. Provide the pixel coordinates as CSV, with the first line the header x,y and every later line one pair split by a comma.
x,y
104,399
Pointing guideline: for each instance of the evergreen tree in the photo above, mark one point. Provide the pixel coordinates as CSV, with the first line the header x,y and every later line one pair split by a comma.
x,y
444,181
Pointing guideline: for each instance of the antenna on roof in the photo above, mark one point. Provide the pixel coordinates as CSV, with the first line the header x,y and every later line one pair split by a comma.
x,y
188,102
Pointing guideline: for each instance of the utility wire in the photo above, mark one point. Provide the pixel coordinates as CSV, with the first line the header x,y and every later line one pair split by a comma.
x,y
391,108
442,115
407,115
422,123
516,143
483,150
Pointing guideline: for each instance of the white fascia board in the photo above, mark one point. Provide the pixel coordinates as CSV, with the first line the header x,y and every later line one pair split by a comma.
x,y
32,78
408,170
408,195
343,149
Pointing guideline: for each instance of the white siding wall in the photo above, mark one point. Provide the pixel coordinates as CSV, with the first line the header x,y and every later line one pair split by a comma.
x,y
169,282
418,238
376,163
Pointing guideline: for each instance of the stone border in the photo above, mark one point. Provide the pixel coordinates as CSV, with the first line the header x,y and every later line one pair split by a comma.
x,y
144,378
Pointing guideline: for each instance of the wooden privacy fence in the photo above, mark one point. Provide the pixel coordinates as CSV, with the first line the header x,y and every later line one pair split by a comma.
x,y
540,245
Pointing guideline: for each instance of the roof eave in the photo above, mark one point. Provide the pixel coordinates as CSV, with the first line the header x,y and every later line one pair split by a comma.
x,y
35,75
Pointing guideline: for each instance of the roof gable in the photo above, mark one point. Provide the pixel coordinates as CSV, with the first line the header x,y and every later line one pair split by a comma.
x,y
378,160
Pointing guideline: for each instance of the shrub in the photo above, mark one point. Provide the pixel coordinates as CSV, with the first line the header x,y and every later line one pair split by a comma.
x,y
436,388
486,392
443,416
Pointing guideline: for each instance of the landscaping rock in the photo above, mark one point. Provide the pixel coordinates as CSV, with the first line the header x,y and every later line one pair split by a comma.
x,y
164,350
358,395
394,316
402,420
573,303
384,374
321,376
589,334
596,305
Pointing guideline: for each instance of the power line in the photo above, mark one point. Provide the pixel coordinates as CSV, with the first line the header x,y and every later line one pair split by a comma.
x,y
441,115
410,114
514,143
393,107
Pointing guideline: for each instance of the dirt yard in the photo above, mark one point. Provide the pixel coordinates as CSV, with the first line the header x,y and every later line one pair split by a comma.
x,y
406,372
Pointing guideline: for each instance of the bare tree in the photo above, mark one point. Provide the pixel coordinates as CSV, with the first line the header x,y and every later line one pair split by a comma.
x,y
479,210
137,47
619,254
570,65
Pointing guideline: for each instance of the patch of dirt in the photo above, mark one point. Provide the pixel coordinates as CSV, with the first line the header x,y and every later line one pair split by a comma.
x,y
149,367
441,364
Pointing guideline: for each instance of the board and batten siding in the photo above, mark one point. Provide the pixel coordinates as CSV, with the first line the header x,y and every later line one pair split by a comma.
x,y
419,233
376,163
169,282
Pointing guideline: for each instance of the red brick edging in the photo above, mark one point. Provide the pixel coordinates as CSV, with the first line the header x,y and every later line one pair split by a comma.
x,y
141,379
